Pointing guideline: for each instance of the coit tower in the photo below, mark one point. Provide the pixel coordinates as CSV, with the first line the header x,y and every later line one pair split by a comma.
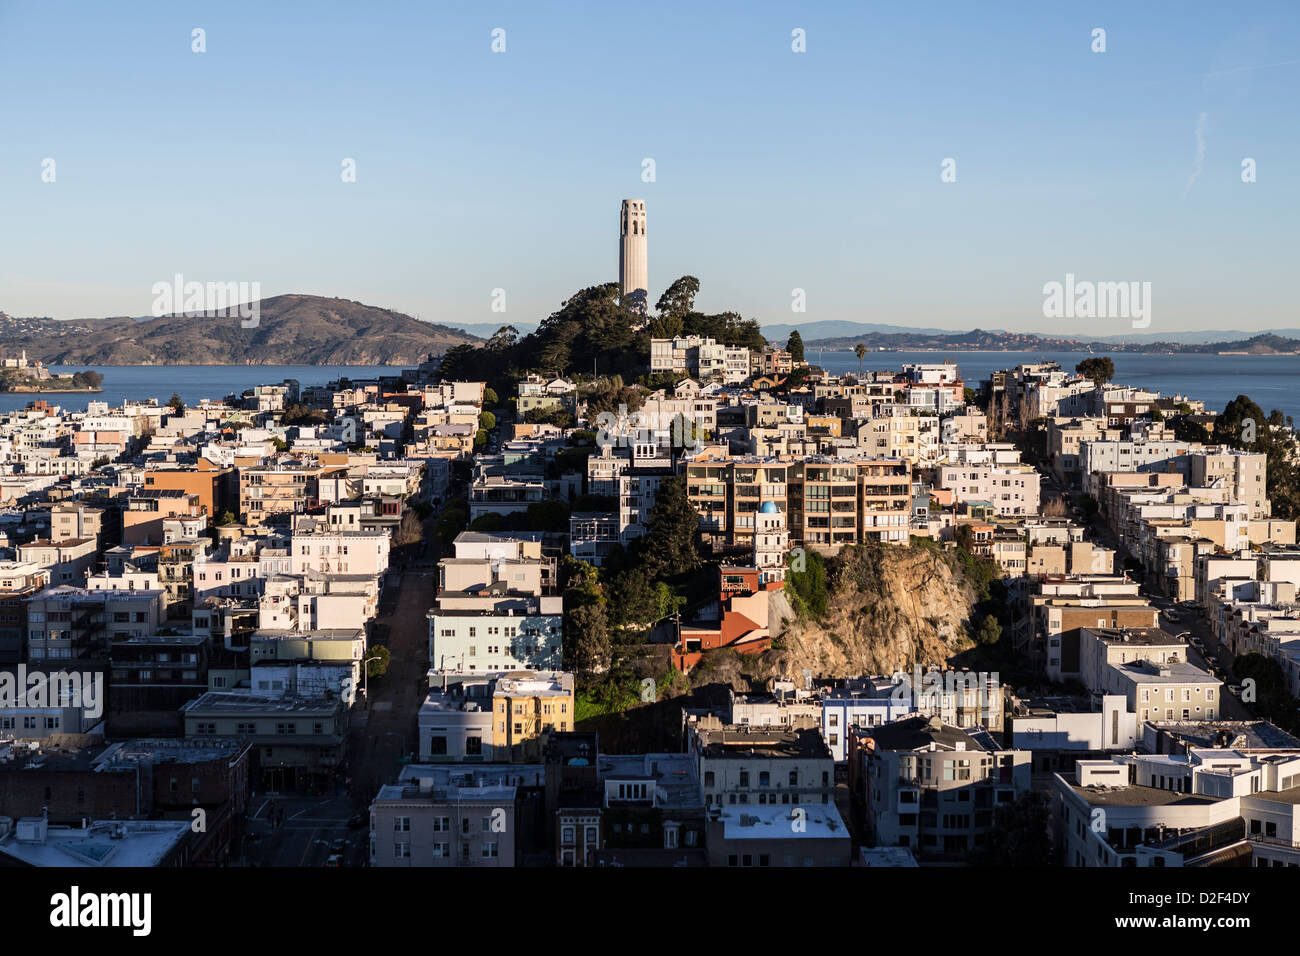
x,y
632,273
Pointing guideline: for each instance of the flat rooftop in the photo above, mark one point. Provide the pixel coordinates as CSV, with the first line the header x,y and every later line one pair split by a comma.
x,y
818,821
740,744
1242,734
1143,636
142,843
1138,796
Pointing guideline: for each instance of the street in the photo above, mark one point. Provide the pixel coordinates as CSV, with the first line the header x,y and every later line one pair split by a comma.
x,y
309,825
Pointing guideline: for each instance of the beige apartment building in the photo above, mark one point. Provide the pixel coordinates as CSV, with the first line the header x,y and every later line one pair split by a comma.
x,y
1244,474
282,490
75,519
828,502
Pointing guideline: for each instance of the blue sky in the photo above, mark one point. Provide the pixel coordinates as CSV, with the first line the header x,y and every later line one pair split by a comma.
x,y
774,170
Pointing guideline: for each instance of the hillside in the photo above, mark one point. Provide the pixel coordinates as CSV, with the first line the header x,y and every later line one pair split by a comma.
x,y
293,330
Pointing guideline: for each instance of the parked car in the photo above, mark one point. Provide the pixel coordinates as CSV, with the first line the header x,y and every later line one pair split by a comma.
x,y
1234,690
339,846
334,860
357,822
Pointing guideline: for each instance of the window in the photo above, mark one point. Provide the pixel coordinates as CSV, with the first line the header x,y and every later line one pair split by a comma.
x,y
438,745
402,824
489,850
402,851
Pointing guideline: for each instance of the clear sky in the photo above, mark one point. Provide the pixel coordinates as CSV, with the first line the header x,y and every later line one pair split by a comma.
x,y
774,170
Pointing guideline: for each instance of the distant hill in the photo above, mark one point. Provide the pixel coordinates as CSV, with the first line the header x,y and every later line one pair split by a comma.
x,y
1264,343
843,334
293,330
829,329
485,330
1187,338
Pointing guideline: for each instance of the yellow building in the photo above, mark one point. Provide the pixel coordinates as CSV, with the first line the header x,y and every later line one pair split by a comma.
x,y
527,707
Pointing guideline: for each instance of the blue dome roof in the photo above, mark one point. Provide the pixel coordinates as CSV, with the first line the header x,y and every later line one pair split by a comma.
x,y
769,508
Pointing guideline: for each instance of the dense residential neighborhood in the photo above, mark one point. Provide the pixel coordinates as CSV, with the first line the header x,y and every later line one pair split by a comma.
x,y
731,610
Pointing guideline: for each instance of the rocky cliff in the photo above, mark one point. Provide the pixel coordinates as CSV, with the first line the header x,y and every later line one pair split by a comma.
x,y
887,608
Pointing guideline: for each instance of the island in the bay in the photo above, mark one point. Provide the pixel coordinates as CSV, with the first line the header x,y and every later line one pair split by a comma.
x,y
18,375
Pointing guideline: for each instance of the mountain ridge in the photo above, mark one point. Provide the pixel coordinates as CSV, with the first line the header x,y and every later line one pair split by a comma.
x,y
292,329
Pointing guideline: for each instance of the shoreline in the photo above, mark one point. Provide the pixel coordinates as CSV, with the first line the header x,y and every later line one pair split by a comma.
x,y
50,391
808,347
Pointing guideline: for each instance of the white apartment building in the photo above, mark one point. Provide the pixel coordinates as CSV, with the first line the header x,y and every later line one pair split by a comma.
x,y
467,641
1171,810
1011,490
341,552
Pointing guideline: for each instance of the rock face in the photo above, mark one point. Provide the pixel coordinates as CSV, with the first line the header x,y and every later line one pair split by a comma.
x,y
888,608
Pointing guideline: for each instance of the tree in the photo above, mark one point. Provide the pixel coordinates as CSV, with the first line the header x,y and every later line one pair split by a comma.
x,y
678,300
632,599
555,415
1020,835
669,548
176,404
989,632
1243,425
226,517
490,398
487,421
302,415
581,582
666,326
548,515
1099,368
453,520
794,345
807,578
488,522
667,601
586,640
410,530
860,351
377,660
964,535
503,339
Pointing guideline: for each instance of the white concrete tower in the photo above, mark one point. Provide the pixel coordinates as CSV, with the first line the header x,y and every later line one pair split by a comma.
x,y
771,542
632,269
